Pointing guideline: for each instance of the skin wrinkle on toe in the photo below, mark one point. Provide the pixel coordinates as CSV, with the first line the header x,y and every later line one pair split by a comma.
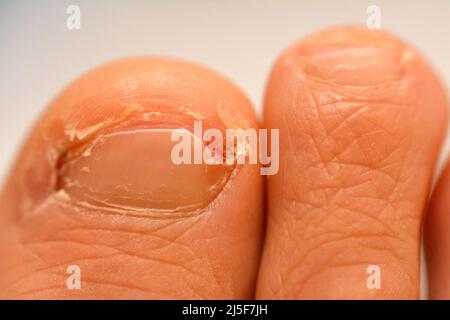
x,y
328,150
350,145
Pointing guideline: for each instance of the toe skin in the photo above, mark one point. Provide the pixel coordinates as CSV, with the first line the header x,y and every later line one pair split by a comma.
x,y
210,253
361,119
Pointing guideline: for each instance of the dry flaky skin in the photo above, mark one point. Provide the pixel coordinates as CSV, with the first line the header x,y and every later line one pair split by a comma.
x,y
211,254
363,117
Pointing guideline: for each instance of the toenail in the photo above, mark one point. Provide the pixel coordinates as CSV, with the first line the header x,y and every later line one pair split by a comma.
x,y
133,171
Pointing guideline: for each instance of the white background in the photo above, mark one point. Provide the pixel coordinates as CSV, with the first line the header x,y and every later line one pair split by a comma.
x,y
39,56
